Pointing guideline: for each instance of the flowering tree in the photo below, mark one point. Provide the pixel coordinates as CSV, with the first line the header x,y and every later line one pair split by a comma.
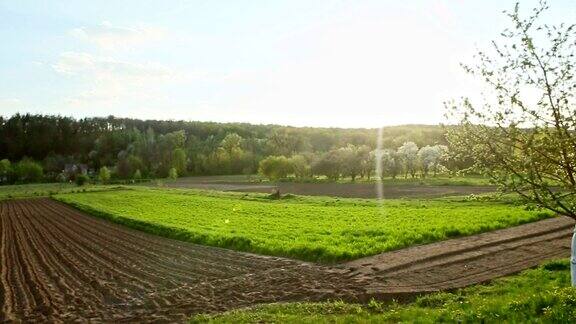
x,y
524,133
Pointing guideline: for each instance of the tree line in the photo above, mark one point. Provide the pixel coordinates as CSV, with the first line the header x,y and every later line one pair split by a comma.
x,y
39,147
362,162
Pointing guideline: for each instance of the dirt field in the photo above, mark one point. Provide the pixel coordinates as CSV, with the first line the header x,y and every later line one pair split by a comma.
x,y
465,261
57,264
345,190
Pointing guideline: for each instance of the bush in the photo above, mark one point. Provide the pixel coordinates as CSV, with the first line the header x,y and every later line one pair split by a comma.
x,y
5,170
104,174
173,174
28,171
276,167
81,180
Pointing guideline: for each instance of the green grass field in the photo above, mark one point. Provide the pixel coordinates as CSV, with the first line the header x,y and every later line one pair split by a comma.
x,y
541,295
46,189
308,228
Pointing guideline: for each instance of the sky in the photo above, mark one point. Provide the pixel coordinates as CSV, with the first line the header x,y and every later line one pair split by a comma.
x,y
323,63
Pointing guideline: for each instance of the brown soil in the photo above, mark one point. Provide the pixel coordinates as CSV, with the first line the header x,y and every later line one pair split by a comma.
x,y
58,264
465,261
345,190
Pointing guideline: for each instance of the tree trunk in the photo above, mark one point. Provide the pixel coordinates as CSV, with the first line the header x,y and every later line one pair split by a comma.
x,y
573,259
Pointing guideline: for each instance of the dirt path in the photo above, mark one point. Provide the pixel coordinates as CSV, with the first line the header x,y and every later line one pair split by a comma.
x,y
465,261
58,264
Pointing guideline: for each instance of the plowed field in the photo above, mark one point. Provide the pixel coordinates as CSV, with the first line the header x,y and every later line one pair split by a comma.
x,y
60,265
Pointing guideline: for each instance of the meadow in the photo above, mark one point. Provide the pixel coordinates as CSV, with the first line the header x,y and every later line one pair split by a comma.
x,y
319,229
541,295
46,189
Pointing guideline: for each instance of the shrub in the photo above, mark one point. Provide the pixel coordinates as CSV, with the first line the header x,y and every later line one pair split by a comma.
x,y
276,167
137,175
28,171
5,170
104,174
173,174
81,180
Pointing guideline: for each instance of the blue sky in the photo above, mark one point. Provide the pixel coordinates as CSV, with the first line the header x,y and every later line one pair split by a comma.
x,y
305,63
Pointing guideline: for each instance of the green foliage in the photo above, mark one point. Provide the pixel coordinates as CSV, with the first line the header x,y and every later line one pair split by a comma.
x,y
28,171
540,295
526,146
276,167
328,165
352,159
137,175
81,179
5,170
196,148
308,228
43,189
104,175
127,165
179,160
300,167
173,174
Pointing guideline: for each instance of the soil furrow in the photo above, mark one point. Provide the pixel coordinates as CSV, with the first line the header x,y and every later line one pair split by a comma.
x,y
60,265
153,252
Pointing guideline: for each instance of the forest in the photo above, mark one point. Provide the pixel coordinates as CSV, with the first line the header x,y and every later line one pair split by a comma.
x,y
39,147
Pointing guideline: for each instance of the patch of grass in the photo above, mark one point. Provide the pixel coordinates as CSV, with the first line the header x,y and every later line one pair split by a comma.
x,y
309,228
44,189
541,295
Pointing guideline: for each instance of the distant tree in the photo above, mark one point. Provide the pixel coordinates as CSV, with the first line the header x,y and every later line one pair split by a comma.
x,y
367,159
285,142
81,179
232,143
55,163
5,170
390,163
127,165
275,167
430,158
173,174
179,160
328,165
104,174
350,159
524,136
137,175
408,153
28,171
300,166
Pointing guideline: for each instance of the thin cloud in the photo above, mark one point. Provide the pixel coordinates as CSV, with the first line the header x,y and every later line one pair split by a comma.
x,y
88,65
11,103
111,37
110,80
